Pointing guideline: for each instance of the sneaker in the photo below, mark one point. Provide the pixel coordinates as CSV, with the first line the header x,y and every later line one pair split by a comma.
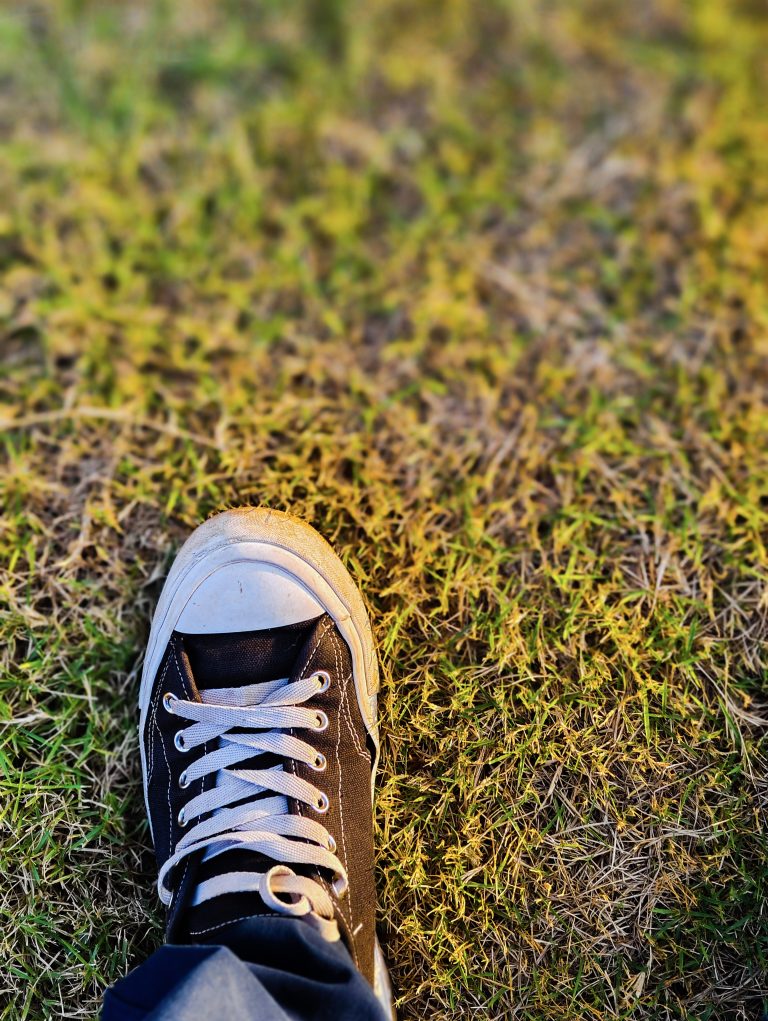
x,y
258,734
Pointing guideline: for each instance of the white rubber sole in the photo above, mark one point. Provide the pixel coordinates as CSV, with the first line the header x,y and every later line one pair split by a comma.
x,y
268,537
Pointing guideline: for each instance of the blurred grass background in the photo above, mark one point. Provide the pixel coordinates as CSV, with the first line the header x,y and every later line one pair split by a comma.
x,y
479,288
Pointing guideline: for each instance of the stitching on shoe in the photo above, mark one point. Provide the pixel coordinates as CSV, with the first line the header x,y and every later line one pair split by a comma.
x,y
345,915
345,706
168,767
150,738
329,624
179,885
204,780
319,878
345,908
341,800
232,921
344,911
153,720
168,795
344,700
185,688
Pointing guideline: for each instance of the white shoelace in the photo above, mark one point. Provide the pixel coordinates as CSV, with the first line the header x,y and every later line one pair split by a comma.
x,y
261,713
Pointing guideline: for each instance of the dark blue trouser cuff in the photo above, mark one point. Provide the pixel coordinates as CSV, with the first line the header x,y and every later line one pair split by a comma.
x,y
263,969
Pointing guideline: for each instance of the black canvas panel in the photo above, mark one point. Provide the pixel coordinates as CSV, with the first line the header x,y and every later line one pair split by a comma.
x,y
202,661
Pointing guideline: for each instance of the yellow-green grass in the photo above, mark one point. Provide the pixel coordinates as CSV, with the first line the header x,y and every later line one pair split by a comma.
x,y
479,288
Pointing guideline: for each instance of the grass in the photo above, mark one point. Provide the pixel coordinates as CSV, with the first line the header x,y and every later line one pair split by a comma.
x,y
479,289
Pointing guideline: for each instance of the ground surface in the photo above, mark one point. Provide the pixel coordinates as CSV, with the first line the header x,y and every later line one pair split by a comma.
x,y
480,289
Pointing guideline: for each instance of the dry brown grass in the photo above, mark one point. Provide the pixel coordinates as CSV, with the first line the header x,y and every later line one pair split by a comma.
x,y
480,290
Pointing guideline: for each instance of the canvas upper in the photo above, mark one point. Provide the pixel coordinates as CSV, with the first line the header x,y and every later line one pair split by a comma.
x,y
193,667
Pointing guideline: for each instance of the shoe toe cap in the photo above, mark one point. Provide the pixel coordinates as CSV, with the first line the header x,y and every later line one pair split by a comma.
x,y
245,595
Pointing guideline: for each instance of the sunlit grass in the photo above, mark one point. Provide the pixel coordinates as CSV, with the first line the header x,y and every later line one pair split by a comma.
x,y
479,289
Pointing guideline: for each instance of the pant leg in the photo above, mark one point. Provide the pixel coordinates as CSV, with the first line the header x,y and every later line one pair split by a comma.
x,y
186,983
263,969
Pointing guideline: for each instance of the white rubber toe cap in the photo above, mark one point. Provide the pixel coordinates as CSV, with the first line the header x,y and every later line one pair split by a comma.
x,y
255,568
245,595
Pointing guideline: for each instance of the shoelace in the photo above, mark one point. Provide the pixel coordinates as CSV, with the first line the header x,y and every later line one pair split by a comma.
x,y
242,722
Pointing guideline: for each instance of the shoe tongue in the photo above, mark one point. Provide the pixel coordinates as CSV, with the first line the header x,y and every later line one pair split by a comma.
x,y
231,661
248,657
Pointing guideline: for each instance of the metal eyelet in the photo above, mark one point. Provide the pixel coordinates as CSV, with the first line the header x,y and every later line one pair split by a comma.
x,y
322,804
178,741
320,763
168,699
322,720
331,845
184,780
325,680
181,818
